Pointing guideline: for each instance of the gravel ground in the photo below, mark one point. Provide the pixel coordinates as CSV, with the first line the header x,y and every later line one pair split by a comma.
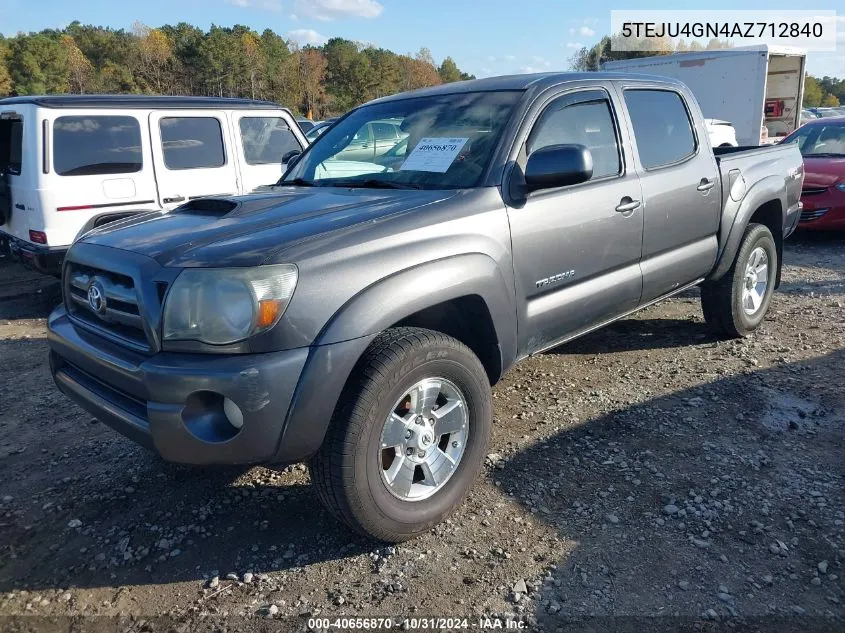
x,y
645,470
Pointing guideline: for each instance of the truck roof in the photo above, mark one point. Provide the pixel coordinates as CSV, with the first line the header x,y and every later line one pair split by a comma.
x,y
141,101
523,82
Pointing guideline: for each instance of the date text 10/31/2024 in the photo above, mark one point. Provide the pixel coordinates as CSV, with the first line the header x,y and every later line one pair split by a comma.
x,y
416,624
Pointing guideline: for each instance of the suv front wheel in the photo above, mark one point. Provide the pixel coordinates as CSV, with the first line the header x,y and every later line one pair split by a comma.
x,y
408,436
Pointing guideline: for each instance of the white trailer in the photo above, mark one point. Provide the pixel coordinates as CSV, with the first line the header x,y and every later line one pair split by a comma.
x,y
758,89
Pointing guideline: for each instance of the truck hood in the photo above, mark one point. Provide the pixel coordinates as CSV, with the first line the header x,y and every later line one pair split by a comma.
x,y
823,171
248,230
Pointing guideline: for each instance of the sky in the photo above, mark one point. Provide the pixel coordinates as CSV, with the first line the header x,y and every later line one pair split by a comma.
x,y
484,37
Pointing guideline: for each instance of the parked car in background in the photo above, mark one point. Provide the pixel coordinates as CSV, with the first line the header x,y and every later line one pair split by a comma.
x,y
358,321
318,129
828,113
305,124
722,133
822,144
372,140
69,164
807,115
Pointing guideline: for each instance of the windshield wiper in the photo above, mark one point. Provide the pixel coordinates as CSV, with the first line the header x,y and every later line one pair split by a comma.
x,y
373,183
298,182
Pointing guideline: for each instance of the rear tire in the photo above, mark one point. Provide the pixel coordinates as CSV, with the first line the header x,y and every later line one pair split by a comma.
x,y
387,467
736,304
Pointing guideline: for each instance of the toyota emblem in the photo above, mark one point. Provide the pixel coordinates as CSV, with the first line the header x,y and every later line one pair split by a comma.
x,y
97,298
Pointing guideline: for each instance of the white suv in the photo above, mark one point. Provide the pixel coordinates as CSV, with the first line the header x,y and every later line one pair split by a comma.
x,y
73,162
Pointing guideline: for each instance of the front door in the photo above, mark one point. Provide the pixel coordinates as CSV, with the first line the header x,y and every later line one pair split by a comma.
x,y
576,249
194,155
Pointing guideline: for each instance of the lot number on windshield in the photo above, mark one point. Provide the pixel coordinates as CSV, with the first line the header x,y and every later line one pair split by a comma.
x,y
433,154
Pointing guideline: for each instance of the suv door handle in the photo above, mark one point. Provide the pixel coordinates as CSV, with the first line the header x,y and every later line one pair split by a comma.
x,y
176,198
705,185
627,204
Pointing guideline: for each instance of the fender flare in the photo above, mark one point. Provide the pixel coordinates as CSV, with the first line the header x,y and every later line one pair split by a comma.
x,y
397,296
762,192
350,331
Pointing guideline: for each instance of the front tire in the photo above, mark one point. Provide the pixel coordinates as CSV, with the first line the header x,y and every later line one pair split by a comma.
x,y
408,436
736,304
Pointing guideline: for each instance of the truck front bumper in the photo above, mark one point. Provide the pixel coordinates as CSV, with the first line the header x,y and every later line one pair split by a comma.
x,y
174,403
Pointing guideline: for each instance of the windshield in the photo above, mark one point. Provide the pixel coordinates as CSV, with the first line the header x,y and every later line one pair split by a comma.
x,y
820,139
437,142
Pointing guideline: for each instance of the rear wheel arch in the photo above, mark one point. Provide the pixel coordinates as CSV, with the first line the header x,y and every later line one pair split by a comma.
x,y
763,204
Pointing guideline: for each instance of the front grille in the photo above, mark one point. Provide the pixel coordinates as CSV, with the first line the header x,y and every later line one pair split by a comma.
x,y
120,319
812,214
813,191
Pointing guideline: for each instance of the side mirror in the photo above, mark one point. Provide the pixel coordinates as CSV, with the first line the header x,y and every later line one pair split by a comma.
x,y
558,166
289,158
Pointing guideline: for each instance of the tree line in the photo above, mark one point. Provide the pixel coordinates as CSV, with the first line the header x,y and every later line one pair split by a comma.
x,y
317,81
827,91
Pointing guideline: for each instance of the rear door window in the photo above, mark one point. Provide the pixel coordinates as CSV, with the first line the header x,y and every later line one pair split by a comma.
x,y
11,146
266,140
192,142
662,127
90,145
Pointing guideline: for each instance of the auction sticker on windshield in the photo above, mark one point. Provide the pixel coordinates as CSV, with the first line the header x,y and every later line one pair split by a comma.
x,y
433,154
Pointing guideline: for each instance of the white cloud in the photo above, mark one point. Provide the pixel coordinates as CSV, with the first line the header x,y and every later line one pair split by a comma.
x,y
540,62
306,36
327,10
502,58
267,5
523,70
575,45
586,31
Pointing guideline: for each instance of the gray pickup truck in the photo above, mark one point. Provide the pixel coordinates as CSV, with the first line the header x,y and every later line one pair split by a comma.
x,y
356,313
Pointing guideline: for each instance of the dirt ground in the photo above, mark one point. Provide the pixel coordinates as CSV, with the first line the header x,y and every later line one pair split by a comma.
x,y
647,476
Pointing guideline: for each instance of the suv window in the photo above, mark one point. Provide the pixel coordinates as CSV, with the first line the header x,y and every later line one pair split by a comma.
x,y
384,131
88,145
11,145
588,123
266,140
192,142
661,126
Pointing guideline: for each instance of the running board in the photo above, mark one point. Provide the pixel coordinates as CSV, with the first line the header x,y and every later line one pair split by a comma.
x,y
593,328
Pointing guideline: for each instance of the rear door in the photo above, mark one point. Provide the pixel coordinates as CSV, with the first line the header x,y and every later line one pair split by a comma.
x,y
680,183
262,139
194,155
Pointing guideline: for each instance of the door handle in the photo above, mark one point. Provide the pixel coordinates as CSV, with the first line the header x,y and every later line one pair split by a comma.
x,y
627,204
705,185
176,198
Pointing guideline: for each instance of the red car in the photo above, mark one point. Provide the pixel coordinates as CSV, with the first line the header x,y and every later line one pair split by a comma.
x,y
822,144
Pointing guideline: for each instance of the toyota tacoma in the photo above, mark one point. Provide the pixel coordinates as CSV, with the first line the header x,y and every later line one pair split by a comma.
x,y
355,314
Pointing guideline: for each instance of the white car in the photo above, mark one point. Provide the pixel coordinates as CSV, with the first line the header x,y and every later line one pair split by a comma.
x,y
722,133
71,163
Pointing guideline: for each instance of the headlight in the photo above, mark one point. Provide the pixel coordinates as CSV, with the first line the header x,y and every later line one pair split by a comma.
x,y
227,305
841,187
